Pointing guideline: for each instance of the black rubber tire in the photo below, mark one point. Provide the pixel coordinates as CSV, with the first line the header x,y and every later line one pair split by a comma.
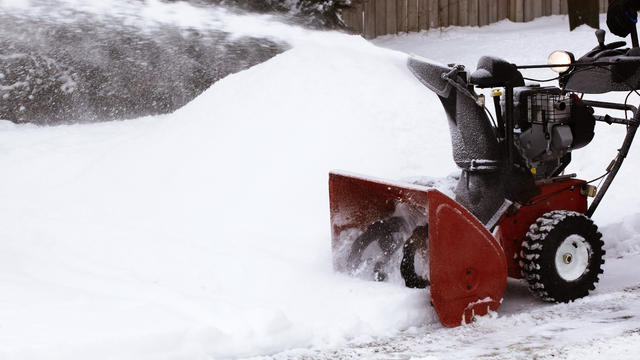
x,y
538,256
407,266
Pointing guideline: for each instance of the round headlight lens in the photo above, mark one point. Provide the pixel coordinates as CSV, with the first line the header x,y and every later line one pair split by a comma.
x,y
561,58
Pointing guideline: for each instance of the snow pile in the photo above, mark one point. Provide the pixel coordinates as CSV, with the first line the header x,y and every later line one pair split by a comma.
x,y
625,235
204,233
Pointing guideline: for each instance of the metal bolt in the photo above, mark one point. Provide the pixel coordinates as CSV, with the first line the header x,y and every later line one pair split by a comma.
x,y
567,258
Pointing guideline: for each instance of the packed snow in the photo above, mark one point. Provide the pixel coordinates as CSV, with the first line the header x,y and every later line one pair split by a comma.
x,y
205,233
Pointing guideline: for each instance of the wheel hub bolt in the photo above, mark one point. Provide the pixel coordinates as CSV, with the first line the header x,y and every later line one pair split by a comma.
x,y
567,258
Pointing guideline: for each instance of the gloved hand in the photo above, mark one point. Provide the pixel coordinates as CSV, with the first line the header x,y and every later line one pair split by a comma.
x,y
622,16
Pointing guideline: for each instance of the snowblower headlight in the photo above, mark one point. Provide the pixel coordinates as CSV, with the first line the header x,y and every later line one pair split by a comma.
x,y
560,57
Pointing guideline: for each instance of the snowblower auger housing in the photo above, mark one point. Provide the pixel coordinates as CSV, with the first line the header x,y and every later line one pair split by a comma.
x,y
467,267
515,213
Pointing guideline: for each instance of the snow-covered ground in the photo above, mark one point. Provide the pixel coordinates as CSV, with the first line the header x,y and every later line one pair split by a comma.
x,y
204,234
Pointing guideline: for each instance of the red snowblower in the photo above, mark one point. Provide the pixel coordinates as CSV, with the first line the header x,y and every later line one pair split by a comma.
x,y
515,212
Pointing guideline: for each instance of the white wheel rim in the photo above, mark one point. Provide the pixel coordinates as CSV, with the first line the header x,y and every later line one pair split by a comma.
x,y
572,257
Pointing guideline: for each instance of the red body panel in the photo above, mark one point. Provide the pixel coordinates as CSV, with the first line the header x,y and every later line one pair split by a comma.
x,y
467,265
512,229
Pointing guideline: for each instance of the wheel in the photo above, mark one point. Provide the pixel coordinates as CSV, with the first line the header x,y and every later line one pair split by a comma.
x,y
373,249
562,256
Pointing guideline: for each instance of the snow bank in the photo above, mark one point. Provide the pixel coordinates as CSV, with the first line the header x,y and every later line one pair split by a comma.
x,y
205,233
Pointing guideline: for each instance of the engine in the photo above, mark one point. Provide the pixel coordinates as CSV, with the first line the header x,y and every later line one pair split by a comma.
x,y
548,124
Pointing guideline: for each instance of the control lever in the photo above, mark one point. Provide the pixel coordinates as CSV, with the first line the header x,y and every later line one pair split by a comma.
x,y
602,46
600,36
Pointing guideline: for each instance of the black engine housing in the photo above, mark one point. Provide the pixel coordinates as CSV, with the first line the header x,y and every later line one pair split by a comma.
x,y
549,123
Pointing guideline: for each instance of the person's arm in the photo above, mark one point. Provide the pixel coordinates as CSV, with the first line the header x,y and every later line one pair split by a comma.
x,y
622,16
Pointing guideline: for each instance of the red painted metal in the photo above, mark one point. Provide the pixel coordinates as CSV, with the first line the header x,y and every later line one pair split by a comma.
x,y
512,229
467,265
468,270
